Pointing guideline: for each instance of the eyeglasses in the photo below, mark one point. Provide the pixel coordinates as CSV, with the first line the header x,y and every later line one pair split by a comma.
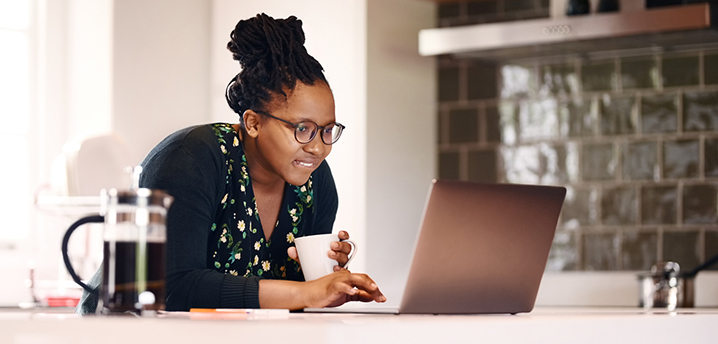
x,y
305,131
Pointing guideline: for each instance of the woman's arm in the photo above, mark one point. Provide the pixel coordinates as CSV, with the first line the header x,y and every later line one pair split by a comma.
x,y
190,167
333,290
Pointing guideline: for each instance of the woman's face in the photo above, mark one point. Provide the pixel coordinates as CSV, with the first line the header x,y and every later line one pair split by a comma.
x,y
279,152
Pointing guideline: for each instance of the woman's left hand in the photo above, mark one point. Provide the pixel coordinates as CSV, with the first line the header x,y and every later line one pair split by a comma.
x,y
340,251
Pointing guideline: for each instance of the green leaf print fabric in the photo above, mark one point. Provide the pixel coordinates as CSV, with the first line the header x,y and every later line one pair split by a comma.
x,y
240,247
216,250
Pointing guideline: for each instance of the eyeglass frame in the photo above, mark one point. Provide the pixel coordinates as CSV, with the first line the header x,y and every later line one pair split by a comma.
x,y
296,125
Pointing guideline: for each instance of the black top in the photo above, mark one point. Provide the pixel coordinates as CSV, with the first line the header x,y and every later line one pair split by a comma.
x,y
216,247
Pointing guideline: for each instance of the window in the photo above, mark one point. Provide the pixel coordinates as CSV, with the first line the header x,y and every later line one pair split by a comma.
x,y
16,72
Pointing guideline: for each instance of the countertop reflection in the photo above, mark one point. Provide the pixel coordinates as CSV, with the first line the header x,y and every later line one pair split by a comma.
x,y
543,325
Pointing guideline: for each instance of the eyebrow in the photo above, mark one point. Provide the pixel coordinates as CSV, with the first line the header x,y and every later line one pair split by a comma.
x,y
299,120
302,119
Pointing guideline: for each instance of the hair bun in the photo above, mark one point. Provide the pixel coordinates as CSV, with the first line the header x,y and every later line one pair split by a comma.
x,y
261,37
272,55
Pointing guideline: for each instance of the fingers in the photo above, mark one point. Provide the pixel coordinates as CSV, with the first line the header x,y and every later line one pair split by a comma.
x,y
340,252
343,235
343,247
363,296
366,288
341,287
292,253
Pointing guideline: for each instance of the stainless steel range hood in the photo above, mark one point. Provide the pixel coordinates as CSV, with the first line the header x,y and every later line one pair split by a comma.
x,y
638,29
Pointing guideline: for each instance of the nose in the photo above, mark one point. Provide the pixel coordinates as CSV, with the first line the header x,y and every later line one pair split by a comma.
x,y
316,146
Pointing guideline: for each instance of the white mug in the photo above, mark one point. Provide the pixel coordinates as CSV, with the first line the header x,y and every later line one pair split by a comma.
x,y
313,253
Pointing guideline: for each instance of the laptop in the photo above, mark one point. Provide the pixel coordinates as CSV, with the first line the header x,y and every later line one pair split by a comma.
x,y
481,248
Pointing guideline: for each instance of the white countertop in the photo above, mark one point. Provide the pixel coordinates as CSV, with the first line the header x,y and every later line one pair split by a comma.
x,y
543,325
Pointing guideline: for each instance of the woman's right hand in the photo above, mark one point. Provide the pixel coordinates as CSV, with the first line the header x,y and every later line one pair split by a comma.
x,y
340,287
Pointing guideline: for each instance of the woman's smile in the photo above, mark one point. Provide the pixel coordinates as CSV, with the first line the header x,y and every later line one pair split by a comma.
x,y
311,164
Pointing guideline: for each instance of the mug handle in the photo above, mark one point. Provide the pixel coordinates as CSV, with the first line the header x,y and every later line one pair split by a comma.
x,y
66,240
351,254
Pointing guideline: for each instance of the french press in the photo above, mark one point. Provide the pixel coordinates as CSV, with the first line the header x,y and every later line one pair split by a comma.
x,y
134,246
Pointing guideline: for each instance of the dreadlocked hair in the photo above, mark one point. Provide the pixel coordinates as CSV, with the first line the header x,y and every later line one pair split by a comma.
x,y
272,57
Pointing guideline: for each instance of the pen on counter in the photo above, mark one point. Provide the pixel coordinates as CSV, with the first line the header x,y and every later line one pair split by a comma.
x,y
251,311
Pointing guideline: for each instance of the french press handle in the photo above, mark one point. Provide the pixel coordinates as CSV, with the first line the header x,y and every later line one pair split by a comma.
x,y
66,240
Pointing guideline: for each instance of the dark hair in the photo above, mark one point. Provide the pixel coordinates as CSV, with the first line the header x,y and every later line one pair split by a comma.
x,y
272,56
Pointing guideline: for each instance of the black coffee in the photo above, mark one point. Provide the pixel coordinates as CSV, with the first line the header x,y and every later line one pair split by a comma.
x,y
127,264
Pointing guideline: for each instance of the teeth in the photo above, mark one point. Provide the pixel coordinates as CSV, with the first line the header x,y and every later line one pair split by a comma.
x,y
304,164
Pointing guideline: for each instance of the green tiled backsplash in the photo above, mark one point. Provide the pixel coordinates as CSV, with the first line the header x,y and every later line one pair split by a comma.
x,y
634,140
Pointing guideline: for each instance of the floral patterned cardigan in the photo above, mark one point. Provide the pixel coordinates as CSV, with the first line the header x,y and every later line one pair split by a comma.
x,y
216,248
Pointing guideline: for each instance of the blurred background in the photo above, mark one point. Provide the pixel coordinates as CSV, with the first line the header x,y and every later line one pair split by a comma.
x,y
135,71
632,134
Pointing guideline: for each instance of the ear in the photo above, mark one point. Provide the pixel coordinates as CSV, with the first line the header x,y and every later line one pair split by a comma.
x,y
251,123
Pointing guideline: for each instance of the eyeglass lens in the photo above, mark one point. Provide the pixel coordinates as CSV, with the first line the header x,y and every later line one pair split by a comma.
x,y
306,131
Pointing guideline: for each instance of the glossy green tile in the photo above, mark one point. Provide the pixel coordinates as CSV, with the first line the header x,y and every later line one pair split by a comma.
x,y
711,157
580,117
463,126
440,130
539,120
710,69
682,248
493,124
482,166
711,247
482,80
681,159
619,206
659,205
559,79
509,116
659,113
554,161
600,251
640,160
639,73
522,164
517,81
538,164
449,165
580,207
680,71
598,76
700,111
639,250
619,115
563,255
598,162
700,203
448,83
449,10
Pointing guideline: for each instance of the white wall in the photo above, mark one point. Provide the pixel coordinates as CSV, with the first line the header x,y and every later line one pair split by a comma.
x,y
140,68
147,68
89,68
73,95
401,136
160,69
137,67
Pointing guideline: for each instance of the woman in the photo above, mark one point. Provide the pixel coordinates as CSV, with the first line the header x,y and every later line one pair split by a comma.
x,y
243,192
